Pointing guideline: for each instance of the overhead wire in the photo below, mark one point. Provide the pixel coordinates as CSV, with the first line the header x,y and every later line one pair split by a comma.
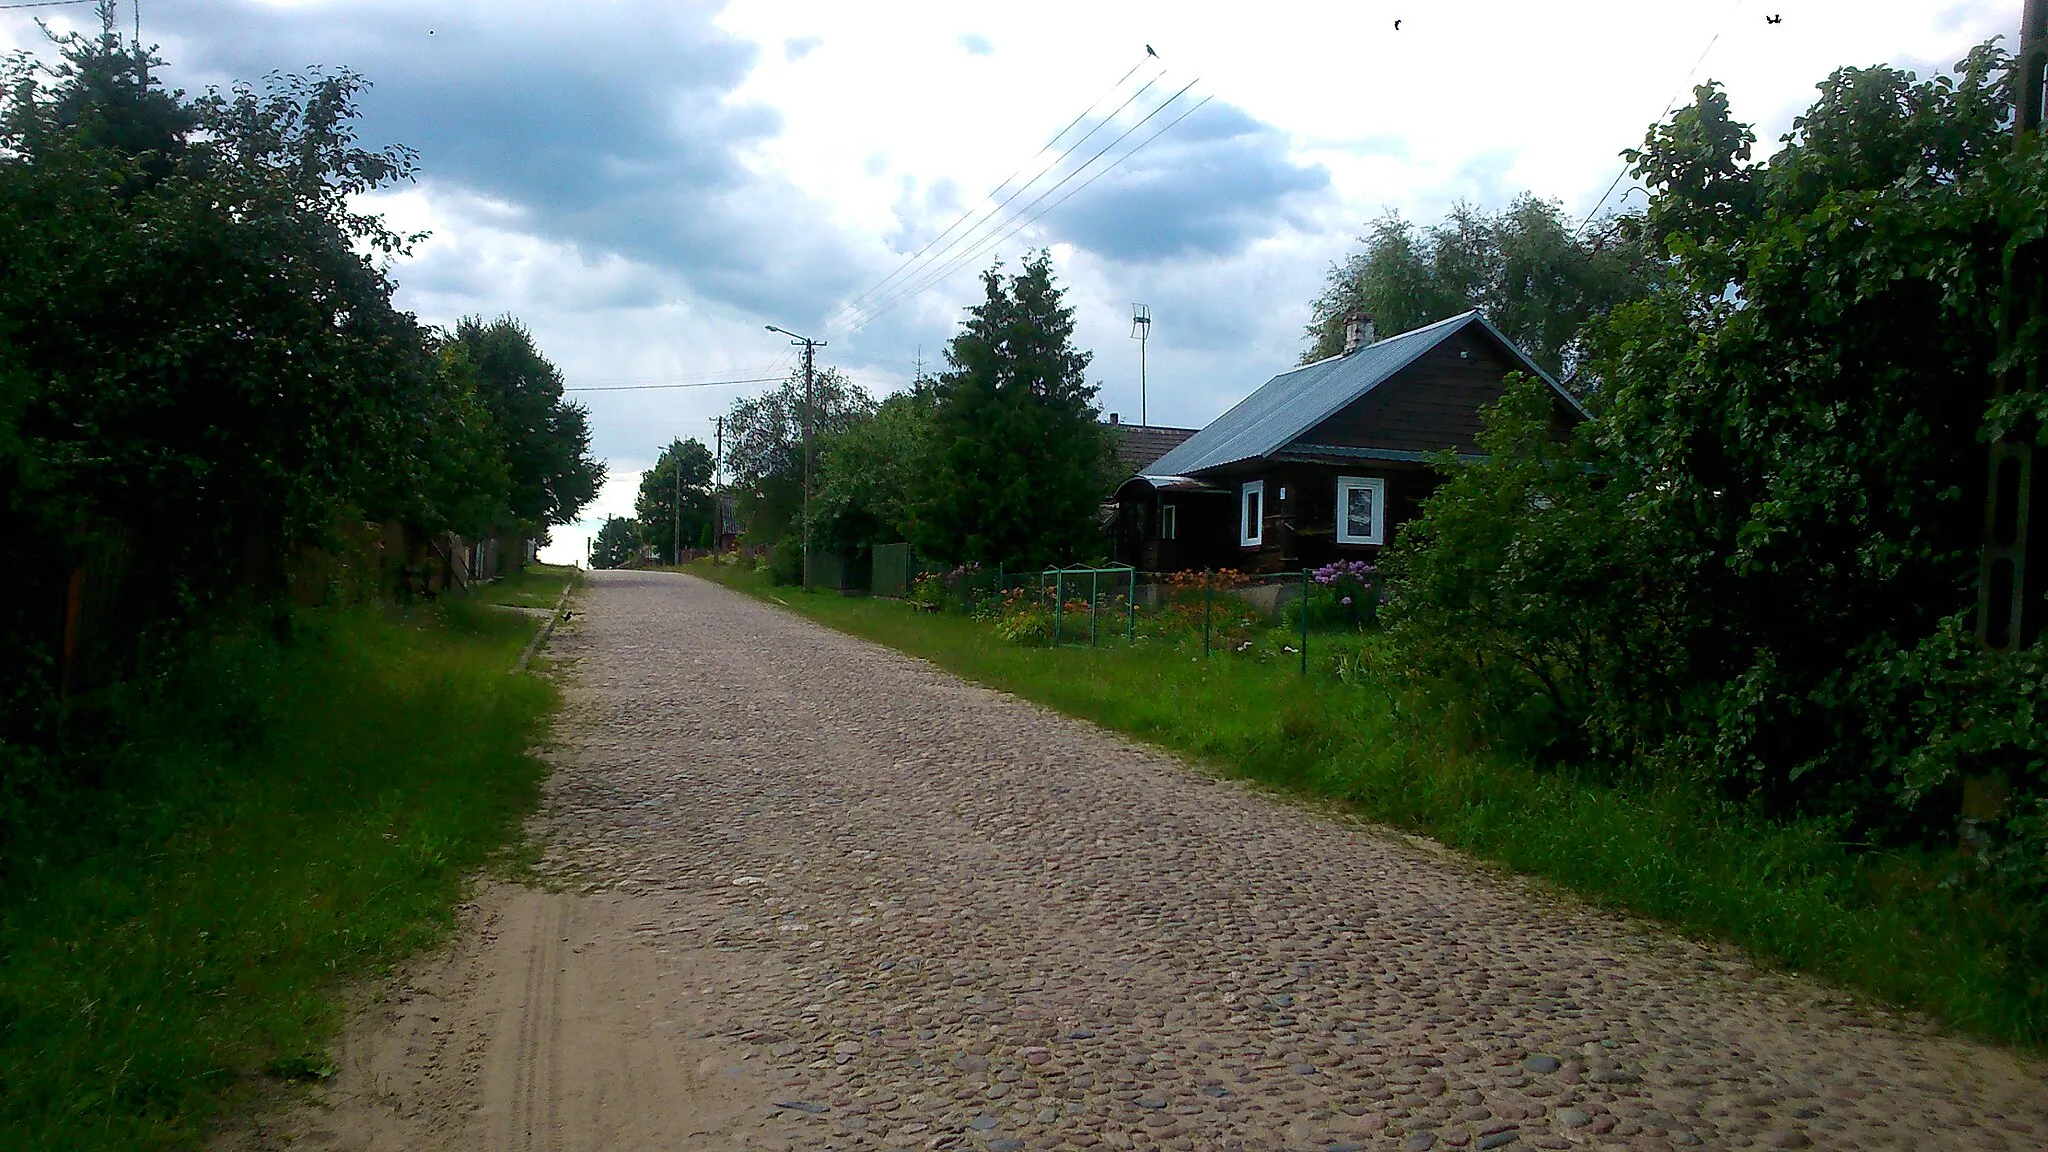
x,y
674,384
851,307
1668,106
980,247
46,4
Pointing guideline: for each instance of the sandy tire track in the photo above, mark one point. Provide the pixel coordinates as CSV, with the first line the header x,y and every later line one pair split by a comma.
x,y
809,893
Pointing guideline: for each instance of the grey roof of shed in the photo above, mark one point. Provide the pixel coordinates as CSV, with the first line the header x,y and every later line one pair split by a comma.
x,y
1295,401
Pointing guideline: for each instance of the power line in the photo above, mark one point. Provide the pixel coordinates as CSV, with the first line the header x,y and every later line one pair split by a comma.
x,y
47,4
1668,106
852,307
983,246
688,384
994,192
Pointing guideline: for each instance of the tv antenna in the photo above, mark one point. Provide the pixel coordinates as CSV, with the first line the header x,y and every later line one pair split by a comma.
x,y
1141,331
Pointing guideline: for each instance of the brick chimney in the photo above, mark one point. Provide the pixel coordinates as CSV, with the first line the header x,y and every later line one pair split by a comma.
x,y
1358,332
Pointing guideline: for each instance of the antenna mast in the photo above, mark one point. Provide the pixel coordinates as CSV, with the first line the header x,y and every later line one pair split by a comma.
x,y
1141,331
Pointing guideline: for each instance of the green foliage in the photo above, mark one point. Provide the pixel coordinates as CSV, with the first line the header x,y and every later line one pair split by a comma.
x,y
1754,566
202,373
273,818
764,438
617,542
1526,267
546,442
869,474
1020,461
683,472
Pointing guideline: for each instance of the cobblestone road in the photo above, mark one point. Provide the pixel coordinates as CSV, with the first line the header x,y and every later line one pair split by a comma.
x,y
944,918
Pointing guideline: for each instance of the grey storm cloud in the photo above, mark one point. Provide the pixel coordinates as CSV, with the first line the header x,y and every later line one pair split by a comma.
x,y
607,127
1206,187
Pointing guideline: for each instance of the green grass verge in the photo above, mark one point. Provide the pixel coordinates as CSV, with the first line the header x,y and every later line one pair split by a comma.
x,y
285,815
534,586
1880,923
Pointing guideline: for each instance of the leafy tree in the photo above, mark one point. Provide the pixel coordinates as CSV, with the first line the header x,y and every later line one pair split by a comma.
x,y
1771,580
656,509
617,542
764,445
869,475
1019,461
202,372
546,441
1526,268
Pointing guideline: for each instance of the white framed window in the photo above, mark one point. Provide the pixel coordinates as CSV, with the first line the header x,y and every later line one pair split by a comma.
x,y
1251,514
1169,522
1361,510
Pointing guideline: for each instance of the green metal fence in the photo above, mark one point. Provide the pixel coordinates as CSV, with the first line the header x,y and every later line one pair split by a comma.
x,y
1119,577
892,570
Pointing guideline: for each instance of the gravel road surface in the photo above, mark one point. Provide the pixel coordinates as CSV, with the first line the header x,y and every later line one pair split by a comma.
x,y
805,892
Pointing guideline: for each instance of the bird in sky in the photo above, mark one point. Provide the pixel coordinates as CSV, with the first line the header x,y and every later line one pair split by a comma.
x,y
1774,19
1397,25
1150,52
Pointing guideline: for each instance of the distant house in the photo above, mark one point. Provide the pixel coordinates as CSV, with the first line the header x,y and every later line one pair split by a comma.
x,y
1137,445
730,525
1325,461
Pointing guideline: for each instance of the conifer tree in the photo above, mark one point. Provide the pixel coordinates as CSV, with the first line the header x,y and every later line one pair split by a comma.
x,y
1020,461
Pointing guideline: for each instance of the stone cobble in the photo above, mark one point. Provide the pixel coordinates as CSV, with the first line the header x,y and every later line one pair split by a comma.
x,y
946,918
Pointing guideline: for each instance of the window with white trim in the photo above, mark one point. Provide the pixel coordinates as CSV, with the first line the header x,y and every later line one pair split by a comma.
x,y
1169,522
1251,514
1361,510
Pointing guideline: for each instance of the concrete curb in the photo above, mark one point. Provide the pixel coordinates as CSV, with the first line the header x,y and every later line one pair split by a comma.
x,y
547,628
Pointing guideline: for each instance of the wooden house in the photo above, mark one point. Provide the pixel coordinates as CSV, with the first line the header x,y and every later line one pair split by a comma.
x,y
1324,461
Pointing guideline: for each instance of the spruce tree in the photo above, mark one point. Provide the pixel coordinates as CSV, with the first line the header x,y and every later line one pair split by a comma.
x,y
1020,461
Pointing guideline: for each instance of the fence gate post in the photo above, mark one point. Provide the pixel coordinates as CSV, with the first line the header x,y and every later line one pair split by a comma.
x,y
1304,621
1059,604
1131,610
1094,603
1208,601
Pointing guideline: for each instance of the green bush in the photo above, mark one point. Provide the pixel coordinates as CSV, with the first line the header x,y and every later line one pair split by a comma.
x,y
786,561
1752,570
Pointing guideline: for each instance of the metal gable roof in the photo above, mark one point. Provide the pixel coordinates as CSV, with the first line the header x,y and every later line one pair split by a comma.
x,y
1295,401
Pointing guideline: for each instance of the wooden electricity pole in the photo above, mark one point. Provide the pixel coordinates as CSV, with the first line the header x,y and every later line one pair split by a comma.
x,y
810,348
2009,602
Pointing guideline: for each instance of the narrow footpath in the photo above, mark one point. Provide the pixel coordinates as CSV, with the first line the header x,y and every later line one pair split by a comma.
x,y
803,892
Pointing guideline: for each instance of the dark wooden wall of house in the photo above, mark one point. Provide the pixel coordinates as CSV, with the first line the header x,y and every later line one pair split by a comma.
x,y
1433,404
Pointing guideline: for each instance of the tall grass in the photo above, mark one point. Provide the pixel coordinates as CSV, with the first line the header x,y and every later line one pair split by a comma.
x,y
1884,923
274,816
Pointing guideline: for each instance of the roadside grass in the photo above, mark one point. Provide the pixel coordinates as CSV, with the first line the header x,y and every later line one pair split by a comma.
x,y
284,815
1879,923
534,586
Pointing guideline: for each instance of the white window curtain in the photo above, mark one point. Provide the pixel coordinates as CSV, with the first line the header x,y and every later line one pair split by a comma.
x,y
1361,510
1252,514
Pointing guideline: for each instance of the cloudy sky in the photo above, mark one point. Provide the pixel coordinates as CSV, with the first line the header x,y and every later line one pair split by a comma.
x,y
648,184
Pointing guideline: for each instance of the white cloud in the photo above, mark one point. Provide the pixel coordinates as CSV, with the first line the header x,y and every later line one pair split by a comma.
x,y
648,184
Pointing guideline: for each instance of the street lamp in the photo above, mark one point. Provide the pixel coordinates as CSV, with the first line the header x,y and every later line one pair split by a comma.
x,y
810,348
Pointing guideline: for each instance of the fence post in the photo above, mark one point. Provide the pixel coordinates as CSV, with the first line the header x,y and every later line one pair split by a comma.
x,y
1059,604
1208,600
1094,603
1304,621
1131,610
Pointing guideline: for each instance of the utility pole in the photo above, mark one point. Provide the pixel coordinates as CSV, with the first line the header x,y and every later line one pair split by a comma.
x,y
2008,601
675,460
810,348
718,484
1141,331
